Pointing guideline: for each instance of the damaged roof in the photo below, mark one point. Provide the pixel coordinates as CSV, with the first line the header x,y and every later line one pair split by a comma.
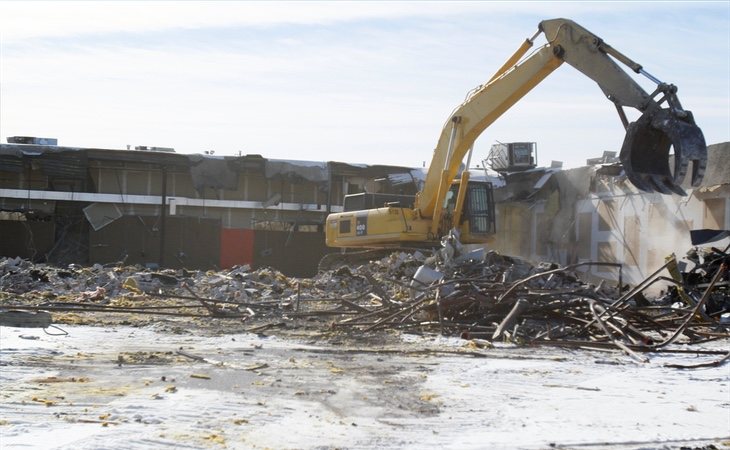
x,y
213,171
221,172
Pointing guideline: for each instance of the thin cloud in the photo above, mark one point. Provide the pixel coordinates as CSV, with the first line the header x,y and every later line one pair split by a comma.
x,y
364,82
23,20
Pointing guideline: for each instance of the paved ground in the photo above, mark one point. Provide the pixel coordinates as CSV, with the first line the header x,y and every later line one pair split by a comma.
x,y
169,387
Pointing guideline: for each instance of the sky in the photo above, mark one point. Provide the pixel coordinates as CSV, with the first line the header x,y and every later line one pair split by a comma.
x,y
359,82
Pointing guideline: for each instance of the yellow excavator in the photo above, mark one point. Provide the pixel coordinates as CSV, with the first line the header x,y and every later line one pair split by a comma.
x,y
449,202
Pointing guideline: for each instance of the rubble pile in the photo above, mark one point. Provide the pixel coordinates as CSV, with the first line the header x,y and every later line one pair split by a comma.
x,y
501,298
477,295
134,289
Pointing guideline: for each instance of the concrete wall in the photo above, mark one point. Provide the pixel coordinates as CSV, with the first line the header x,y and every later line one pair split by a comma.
x,y
640,231
613,222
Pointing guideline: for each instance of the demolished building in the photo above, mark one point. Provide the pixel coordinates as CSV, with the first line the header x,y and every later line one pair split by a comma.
x,y
154,207
594,213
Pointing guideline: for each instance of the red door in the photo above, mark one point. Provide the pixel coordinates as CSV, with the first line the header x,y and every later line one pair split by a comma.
x,y
236,247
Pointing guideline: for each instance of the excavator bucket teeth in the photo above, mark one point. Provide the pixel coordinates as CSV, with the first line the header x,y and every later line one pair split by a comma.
x,y
645,151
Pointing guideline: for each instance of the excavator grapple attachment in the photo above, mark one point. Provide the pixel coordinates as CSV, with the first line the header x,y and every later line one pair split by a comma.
x,y
647,145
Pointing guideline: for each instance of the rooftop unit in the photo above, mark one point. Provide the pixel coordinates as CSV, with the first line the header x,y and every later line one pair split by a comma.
x,y
146,148
512,157
32,140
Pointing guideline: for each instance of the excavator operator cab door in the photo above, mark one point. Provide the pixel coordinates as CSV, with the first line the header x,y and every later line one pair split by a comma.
x,y
477,219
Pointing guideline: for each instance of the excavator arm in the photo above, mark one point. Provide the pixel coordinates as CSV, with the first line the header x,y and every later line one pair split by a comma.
x,y
662,125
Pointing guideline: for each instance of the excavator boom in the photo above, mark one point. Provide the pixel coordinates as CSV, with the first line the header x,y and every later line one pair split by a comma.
x,y
645,153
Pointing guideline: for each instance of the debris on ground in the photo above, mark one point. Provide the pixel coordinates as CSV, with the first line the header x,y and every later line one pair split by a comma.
x,y
477,295
457,346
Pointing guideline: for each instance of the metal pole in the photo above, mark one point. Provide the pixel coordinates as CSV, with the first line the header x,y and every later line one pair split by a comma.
x,y
329,187
163,214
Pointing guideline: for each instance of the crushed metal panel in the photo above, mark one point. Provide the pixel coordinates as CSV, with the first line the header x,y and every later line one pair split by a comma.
x,y
215,173
100,215
309,170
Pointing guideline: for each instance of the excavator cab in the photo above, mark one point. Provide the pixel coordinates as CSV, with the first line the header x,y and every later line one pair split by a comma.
x,y
479,209
645,154
476,219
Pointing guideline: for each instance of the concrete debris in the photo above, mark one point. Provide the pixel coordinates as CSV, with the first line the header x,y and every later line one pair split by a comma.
x,y
475,295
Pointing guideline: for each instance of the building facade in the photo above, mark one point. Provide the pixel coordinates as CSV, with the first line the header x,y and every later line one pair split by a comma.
x,y
155,207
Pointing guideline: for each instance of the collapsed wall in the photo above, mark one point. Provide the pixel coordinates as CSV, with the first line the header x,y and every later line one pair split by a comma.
x,y
586,214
